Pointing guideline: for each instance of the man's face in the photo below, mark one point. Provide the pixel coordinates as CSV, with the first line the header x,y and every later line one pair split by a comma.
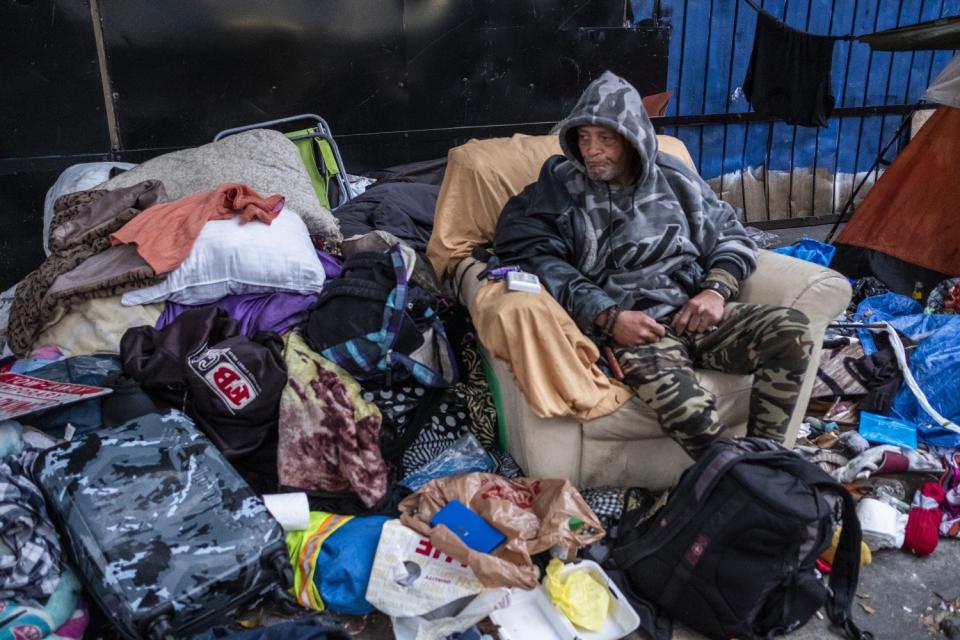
x,y
606,154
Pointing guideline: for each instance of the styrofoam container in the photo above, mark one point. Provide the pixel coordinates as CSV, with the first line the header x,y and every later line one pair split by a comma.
x,y
532,615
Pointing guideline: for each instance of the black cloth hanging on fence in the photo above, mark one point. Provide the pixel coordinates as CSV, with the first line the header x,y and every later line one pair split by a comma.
x,y
789,73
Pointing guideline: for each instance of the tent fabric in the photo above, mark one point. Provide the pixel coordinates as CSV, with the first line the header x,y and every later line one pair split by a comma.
x,y
911,211
943,34
946,88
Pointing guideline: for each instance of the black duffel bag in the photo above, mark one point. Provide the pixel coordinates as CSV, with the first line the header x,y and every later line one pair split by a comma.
x,y
733,553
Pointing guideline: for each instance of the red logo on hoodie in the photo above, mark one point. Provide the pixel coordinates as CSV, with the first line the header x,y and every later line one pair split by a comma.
x,y
231,384
226,376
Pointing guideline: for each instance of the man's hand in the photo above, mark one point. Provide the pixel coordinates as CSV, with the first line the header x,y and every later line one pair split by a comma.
x,y
701,312
635,328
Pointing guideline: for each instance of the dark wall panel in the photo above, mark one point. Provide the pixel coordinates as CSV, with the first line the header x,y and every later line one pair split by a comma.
x,y
51,101
526,74
555,14
398,80
185,69
21,219
51,114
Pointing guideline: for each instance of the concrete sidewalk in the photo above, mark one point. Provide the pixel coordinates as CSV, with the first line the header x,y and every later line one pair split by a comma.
x,y
900,597
910,597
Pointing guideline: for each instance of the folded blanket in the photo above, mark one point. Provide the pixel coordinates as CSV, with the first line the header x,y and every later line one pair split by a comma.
x,y
263,159
329,436
96,326
79,232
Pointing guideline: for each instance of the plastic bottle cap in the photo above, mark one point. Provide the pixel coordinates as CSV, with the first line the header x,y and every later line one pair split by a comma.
x,y
574,523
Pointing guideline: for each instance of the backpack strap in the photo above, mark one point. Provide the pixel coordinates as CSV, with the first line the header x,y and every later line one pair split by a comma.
x,y
374,351
426,376
846,570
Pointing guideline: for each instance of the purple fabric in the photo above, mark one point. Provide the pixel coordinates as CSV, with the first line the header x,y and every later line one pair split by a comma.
x,y
277,312
331,265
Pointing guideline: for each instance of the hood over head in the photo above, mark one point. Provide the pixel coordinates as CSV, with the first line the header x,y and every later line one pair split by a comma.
x,y
612,102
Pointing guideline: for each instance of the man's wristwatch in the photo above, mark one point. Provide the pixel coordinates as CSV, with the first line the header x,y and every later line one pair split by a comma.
x,y
717,287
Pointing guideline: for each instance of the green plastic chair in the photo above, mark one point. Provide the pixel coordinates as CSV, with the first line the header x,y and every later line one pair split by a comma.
x,y
317,154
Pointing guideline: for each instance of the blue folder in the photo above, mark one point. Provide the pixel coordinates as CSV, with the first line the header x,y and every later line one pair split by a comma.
x,y
476,533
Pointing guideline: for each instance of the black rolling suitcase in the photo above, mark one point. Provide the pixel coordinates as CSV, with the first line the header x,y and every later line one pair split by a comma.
x,y
165,534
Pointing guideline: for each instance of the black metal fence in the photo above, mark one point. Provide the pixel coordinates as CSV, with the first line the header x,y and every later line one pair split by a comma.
x,y
783,175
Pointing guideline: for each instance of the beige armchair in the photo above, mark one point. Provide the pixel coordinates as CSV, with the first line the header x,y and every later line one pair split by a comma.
x,y
627,447
559,416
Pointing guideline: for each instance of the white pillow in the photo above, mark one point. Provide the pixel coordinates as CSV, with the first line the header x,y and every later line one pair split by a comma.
x,y
230,258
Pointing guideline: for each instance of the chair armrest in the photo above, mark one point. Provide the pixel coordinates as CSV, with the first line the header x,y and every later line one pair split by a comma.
x,y
465,283
784,281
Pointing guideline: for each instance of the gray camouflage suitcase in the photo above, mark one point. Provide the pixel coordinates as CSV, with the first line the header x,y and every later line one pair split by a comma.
x,y
166,535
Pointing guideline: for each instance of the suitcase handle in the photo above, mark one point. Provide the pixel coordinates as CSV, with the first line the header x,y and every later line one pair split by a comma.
x,y
280,563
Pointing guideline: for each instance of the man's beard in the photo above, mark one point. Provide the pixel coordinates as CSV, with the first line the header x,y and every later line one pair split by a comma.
x,y
603,173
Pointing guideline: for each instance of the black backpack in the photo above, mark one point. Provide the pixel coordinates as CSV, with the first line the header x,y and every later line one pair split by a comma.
x,y
378,324
733,553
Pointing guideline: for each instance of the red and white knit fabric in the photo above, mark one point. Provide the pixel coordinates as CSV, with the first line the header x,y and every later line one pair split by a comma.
x,y
923,522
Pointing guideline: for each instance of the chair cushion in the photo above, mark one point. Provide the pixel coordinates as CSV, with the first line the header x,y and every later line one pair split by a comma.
x,y
635,420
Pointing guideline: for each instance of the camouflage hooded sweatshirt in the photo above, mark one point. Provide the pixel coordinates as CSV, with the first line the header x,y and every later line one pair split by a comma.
x,y
647,246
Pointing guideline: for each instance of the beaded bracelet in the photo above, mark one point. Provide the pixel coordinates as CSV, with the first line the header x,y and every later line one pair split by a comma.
x,y
612,314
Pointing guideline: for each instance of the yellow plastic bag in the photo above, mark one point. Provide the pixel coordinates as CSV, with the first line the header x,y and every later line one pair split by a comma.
x,y
827,556
578,595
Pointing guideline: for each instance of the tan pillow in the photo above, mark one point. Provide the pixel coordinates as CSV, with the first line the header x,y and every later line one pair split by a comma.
x,y
263,159
481,176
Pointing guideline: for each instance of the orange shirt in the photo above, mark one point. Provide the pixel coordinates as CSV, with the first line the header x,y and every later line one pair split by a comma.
x,y
165,233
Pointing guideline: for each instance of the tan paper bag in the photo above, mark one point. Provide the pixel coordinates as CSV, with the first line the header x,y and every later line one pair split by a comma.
x,y
534,515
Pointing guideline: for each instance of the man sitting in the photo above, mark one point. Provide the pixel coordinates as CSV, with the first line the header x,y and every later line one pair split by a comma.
x,y
641,253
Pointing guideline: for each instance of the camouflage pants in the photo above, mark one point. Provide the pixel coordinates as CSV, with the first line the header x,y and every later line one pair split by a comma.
x,y
772,343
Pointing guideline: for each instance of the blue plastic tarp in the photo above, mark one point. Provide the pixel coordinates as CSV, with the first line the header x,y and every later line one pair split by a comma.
x,y
810,250
934,362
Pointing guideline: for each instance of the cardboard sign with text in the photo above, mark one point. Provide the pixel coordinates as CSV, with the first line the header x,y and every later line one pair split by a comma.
x,y
21,394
